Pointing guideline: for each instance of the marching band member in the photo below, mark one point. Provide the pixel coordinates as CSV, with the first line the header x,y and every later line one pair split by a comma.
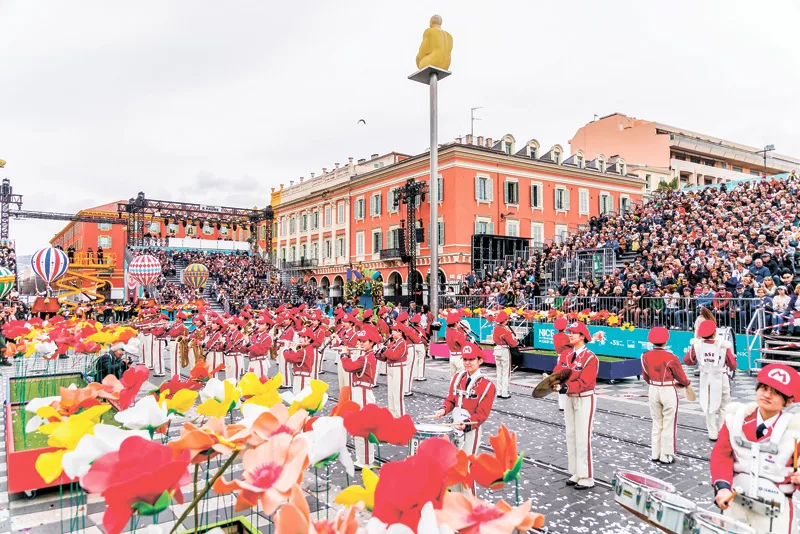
x,y
258,349
383,322
715,357
362,370
561,343
302,360
413,339
395,356
469,399
417,369
367,317
455,340
319,340
347,344
215,343
197,337
234,347
663,371
158,340
145,336
287,335
177,333
503,339
580,405
756,455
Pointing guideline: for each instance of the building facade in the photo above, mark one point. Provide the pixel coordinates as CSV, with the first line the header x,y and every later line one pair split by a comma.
x,y
344,219
658,152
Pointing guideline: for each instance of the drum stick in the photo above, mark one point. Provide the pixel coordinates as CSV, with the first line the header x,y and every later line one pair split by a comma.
x,y
794,461
733,496
457,424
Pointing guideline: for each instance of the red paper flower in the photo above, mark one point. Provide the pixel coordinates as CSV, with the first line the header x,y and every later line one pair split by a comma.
x,y
140,476
132,381
455,462
379,422
404,488
175,384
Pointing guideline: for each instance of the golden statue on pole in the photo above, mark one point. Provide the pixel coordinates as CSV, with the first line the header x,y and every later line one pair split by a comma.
x,y
436,46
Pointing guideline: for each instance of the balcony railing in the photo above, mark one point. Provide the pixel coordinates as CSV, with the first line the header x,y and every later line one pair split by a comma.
x,y
303,263
391,253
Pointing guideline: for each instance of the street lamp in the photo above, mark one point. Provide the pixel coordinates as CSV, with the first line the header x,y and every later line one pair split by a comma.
x,y
768,148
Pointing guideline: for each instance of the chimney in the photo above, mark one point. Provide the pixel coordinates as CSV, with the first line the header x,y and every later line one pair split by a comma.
x,y
469,139
336,165
480,140
324,170
312,175
458,140
373,156
350,159
488,142
301,179
291,183
362,160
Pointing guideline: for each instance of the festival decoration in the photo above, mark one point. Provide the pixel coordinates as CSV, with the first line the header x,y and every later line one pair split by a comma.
x,y
219,397
277,420
146,414
327,442
195,275
294,516
49,264
145,269
7,282
106,439
467,513
377,424
494,470
212,439
356,495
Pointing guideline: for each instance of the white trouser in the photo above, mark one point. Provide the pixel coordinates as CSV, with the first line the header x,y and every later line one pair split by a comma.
x,y
562,401
147,353
783,524
456,364
285,369
174,358
300,382
469,442
418,373
260,366
396,384
410,363
233,365
157,355
319,356
664,411
579,416
502,362
714,419
365,451
380,369
344,376
213,359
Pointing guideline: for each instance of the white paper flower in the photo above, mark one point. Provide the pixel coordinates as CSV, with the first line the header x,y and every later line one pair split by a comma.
x,y
251,413
45,348
145,414
427,525
32,407
288,397
106,438
215,389
327,438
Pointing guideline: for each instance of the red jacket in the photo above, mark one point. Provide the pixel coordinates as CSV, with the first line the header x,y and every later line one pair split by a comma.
x,y
660,365
216,341
362,369
455,340
412,334
234,343
287,334
584,370
397,352
301,360
503,336
319,336
383,328
479,405
560,342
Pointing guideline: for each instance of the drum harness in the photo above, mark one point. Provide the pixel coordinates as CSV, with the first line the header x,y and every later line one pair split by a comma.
x,y
460,415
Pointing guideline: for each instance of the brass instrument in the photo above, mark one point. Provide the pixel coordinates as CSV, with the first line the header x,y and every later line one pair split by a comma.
x,y
182,346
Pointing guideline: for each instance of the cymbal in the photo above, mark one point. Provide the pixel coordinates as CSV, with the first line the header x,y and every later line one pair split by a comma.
x,y
545,387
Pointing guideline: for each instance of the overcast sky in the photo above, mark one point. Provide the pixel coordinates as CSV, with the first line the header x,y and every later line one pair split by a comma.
x,y
209,101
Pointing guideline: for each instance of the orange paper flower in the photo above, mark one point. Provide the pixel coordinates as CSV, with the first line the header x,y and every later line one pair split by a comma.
x,y
210,440
467,514
294,517
494,470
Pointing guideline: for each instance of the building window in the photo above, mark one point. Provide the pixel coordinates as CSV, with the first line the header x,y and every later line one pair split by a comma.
x,y
507,147
315,220
293,254
104,241
172,228
439,189
375,205
283,227
340,213
327,216
484,226
223,230
537,233
562,199
623,169
292,225
391,207
190,230
303,250
579,161
601,165
340,247
536,195
377,241
154,227
358,208
483,189
709,162
737,169
534,152
694,159
755,173
104,227
327,249
606,203
512,228
583,202
624,205
360,244
314,250
561,233
556,157
394,238
441,233
304,223
723,165
207,230
511,192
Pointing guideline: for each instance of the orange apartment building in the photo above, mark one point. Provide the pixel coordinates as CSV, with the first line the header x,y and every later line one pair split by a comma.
x,y
341,219
658,152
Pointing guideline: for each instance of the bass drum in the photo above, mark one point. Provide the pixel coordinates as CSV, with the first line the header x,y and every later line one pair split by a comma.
x,y
725,333
708,523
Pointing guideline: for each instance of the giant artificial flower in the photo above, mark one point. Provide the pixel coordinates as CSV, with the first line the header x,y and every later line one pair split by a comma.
x,y
175,385
327,442
253,386
106,438
378,424
210,440
311,399
219,397
427,525
202,373
276,421
74,400
145,414
33,406
345,403
132,381
179,403
65,435
294,517
141,476
269,473
455,463
467,514
354,495
494,470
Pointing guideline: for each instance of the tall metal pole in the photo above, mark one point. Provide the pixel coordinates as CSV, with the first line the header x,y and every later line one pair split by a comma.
x,y
433,191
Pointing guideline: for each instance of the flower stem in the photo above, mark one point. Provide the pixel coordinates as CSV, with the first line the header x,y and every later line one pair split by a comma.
x,y
194,494
202,494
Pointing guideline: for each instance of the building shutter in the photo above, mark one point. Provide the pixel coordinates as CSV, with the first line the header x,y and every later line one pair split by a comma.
x,y
489,189
440,188
490,228
566,199
478,188
506,186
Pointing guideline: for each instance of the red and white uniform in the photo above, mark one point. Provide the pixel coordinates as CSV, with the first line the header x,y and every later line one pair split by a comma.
x,y
757,468
302,362
415,350
362,375
561,343
178,330
318,341
455,340
145,341
662,370
715,358
395,356
158,340
347,340
215,344
234,351
579,411
420,355
470,398
503,339
286,337
259,364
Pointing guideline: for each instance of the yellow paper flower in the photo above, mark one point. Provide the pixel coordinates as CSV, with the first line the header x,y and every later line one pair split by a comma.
x,y
267,400
252,386
180,403
313,401
216,408
352,495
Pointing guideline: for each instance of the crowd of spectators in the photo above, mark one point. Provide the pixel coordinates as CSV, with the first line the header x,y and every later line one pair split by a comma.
x,y
8,256
731,251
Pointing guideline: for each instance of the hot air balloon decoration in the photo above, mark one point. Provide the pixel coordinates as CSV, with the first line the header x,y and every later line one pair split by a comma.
x,y
7,281
145,269
49,264
195,275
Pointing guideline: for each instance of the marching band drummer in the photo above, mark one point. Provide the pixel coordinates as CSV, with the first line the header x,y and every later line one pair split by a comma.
x,y
580,405
455,340
395,356
561,343
302,360
177,333
362,370
663,371
715,358
258,349
756,455
503,339
469,399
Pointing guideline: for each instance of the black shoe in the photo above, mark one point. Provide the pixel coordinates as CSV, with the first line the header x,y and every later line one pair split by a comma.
x,y
504,396
420,379
408,394
570,483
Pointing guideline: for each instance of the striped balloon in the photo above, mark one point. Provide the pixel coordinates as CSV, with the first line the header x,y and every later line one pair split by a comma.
x,y
196,275
7,281
50,264
145,269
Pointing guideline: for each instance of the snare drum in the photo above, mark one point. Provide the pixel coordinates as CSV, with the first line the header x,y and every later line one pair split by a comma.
x,y
428,431
708,523
632,490
670,512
